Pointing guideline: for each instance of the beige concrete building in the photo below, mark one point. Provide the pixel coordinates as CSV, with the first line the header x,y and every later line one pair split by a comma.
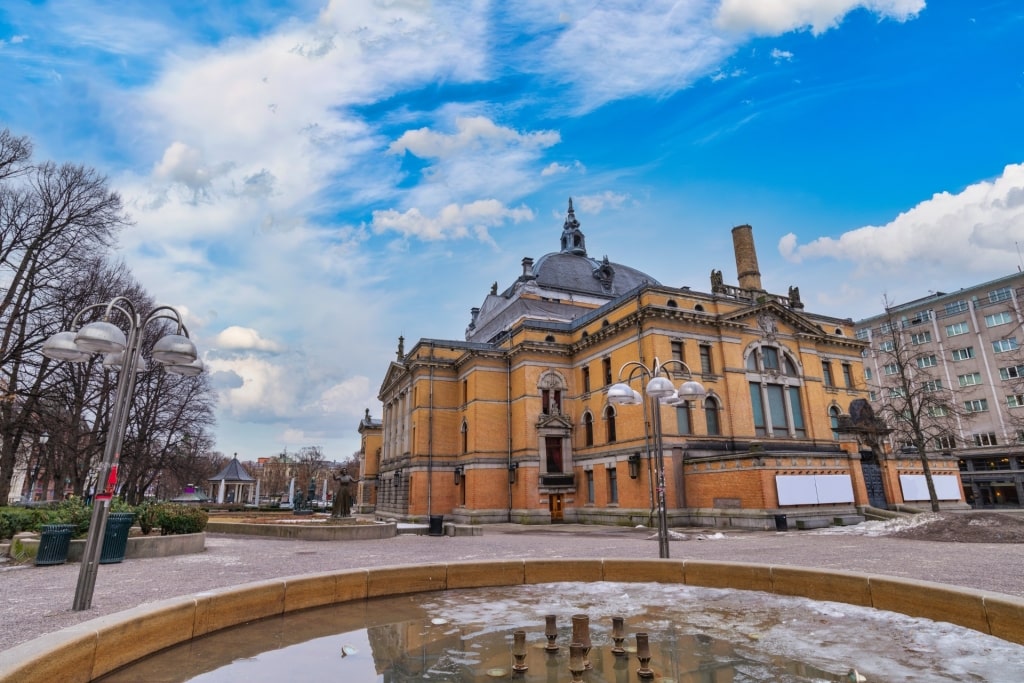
x,y
966,343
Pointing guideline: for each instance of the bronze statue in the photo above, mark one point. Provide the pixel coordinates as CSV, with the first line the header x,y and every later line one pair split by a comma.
x,y
342,496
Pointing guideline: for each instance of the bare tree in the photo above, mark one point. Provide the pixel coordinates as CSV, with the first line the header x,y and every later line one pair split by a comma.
x,y
917,408
55,222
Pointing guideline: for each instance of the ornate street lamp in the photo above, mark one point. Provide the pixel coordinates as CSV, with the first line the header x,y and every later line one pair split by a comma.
x,y
174,352
659,389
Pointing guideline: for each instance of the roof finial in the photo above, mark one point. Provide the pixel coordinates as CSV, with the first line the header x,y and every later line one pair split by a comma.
x,y
573,241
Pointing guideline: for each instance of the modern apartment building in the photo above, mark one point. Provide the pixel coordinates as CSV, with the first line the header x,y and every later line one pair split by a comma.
x,y
966,343
516,422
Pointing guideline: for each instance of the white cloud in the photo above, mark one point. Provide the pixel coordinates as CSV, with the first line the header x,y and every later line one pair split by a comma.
x,y
238,338
596,203
775,17
472,134
973,231
613,51
555,168
781,55
451,222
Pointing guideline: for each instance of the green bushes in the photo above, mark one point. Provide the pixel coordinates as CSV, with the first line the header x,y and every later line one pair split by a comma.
x,y
170,518
181,519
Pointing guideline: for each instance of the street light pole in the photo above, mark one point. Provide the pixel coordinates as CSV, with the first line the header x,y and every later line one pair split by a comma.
x,y
659,389
175,352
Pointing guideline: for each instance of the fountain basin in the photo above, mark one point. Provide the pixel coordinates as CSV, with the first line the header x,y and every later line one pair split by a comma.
x,y
89,650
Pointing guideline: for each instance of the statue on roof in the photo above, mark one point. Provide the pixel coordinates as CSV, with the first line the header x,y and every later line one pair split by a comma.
x,y
494,288
794,298
716,280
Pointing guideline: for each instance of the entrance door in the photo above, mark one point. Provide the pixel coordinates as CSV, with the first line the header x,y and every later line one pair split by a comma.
x,y
555,507
873,481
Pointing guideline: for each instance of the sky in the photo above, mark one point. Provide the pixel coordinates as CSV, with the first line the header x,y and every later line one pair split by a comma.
x,y
308,180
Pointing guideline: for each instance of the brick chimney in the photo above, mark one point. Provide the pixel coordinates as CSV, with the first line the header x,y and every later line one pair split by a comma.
x,y
747,274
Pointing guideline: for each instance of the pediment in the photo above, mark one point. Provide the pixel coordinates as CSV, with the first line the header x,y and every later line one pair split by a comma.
x,y
771,318
556,421
394,374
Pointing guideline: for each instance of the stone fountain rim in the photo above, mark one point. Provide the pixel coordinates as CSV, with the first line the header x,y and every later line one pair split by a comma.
x,y
87,651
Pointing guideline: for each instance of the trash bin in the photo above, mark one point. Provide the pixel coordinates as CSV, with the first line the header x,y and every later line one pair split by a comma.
x,y
437,525
115,538
54,543
781,524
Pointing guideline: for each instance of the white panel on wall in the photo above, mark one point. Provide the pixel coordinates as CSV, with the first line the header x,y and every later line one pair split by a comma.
x,y
794,489
810,489
915,487
834,488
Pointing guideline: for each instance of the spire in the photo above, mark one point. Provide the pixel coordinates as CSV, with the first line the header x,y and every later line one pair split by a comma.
x,y
573,241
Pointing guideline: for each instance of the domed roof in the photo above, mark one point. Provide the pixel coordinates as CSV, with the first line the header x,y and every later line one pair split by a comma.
x,y
572,270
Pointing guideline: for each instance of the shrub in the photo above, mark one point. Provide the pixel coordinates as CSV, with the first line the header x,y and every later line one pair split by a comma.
x,y
173,518
71,511
147,515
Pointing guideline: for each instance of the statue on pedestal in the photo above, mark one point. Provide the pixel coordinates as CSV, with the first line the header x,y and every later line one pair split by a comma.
x,y
342,496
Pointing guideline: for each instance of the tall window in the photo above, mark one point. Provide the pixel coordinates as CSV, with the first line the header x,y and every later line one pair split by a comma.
x,y
847,375
613,484
833,419
609,424
606,364
588,429
590,486
677,351
553,448
683,418
775,393
826,373
711,416
465,437
705,359
586,380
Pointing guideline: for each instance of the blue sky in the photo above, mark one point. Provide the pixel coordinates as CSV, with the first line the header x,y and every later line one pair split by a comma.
x,y
310,180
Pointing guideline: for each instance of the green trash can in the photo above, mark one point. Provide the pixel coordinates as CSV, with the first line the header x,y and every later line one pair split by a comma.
x,y
115,538
54,543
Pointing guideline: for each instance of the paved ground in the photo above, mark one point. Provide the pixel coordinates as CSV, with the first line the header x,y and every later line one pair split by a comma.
x,y
35,601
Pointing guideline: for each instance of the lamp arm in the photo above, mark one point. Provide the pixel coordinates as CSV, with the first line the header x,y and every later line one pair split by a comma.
x,y
159,313
681,364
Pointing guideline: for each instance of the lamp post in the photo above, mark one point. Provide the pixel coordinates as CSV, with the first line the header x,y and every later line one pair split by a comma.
x,y
659,389
175,352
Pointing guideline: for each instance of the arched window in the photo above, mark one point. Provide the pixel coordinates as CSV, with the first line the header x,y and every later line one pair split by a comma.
x,y
588,429
465,437
609,423
833,419
775,392
711,416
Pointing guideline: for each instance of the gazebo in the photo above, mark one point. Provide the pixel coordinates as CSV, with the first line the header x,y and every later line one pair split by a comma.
x,y
234,484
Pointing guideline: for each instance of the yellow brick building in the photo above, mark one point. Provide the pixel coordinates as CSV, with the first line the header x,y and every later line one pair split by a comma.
x,y
514,423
